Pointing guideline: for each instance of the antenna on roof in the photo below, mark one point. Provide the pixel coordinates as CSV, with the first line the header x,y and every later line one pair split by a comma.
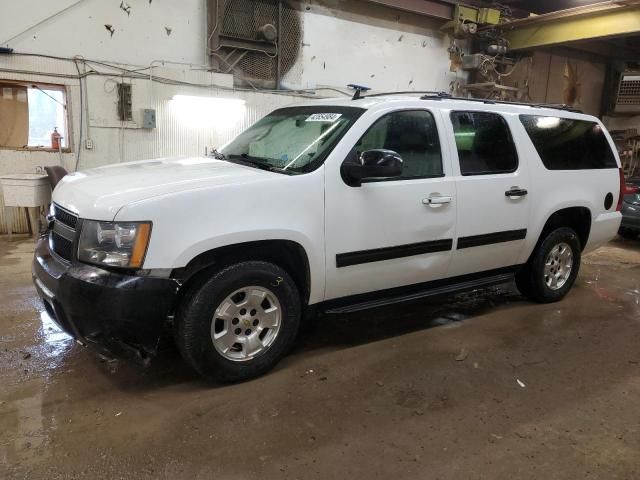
x,y
358,90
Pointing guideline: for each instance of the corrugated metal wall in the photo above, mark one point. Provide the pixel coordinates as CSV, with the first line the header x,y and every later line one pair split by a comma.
x,y
115,141
20,222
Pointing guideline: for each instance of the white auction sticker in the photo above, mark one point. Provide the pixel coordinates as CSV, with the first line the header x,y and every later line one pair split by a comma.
x,y
323,117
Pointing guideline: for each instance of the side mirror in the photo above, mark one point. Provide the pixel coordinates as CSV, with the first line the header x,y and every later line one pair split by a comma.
x,y
372,164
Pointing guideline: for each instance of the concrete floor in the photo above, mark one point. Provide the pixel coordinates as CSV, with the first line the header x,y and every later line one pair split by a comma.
x,y
502,388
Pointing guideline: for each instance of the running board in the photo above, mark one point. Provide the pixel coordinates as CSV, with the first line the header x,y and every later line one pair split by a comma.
x,y
425,293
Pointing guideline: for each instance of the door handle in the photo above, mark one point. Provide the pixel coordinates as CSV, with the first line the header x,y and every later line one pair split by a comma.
x,y
437,200
515,192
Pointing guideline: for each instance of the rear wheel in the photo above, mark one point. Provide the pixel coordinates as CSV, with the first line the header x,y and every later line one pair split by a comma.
x,y
553,267
240,322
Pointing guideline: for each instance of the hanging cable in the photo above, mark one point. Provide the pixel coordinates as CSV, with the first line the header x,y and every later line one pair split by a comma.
x,y
303,92
79,149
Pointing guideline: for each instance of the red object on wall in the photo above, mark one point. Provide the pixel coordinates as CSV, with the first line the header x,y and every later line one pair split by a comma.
x,y
55,139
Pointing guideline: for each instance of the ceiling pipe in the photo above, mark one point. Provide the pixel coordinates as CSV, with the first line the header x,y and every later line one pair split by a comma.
x,y
441,9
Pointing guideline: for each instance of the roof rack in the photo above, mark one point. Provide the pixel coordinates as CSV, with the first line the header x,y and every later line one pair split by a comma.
x,y
440,95
432,93
558,106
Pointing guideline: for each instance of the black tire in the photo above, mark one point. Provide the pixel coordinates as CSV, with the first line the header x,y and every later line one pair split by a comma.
x,y
196,312
530,280
627,233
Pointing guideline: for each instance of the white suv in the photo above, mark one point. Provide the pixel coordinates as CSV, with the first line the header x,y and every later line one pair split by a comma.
x,y
335,205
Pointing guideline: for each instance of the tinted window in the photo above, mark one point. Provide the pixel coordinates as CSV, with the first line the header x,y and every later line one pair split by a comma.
x,y
484,143
567,144
411,134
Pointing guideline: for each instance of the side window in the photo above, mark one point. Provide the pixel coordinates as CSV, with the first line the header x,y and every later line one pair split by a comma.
x,y
484,143
568,144
410,133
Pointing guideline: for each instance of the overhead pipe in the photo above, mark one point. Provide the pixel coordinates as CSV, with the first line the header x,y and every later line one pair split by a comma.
x,y
441,9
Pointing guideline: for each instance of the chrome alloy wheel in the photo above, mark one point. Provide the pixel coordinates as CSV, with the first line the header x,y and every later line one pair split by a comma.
x,y
558,266
246,323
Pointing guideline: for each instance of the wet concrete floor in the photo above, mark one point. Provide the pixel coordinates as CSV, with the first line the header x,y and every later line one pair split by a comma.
x,y
482,385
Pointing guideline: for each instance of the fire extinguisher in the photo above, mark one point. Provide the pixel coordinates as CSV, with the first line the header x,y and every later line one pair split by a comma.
x,y
55,139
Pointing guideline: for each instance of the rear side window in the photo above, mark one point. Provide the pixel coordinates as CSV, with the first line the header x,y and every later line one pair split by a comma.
x,y
568,144
484,143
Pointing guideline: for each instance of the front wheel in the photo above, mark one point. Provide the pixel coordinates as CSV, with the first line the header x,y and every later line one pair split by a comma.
x,y
240,322
553,267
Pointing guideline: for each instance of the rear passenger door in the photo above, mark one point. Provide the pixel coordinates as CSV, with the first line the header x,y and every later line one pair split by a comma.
x,y
492,186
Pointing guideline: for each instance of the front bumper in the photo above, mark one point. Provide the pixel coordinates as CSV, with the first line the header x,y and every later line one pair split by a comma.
x,y
121,314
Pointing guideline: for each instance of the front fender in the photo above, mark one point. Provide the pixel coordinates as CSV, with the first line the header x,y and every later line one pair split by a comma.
x,y
279,207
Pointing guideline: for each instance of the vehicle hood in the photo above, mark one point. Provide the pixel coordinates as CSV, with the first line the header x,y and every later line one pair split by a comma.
x,y
99,193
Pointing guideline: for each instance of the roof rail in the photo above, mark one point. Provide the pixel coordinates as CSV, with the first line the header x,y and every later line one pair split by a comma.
x,y
558,106
440,95
411,92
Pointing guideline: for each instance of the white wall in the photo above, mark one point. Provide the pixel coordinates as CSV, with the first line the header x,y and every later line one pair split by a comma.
x,y
366,44
355,43
343,41
72,27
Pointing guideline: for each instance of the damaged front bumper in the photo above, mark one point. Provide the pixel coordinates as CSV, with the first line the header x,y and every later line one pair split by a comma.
x,y
123,315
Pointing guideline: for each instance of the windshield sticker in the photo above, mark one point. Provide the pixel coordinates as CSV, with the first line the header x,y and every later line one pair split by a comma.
x,y
323,117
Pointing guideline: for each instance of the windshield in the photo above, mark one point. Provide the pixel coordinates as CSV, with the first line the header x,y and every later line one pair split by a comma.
x,y
293,139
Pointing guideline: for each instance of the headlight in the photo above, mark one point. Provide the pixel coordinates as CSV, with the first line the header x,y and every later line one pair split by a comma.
x,y
114,244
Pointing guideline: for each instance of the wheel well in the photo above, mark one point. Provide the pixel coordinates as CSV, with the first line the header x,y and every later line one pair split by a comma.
x,y
576,218
287,254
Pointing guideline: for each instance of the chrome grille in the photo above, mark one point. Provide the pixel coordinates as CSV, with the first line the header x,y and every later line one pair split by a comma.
x,y
61,246
64,216
63,232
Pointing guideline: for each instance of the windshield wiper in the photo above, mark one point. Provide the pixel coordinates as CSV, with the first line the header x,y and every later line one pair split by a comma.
x,y
258,162
218,155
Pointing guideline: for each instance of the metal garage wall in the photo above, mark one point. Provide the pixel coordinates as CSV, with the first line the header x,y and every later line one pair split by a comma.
x,y
175,134
115,141
343,42
20,221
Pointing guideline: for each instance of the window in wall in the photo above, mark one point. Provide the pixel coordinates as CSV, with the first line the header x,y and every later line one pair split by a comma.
x,y
484,143
568,144
413,135
29,113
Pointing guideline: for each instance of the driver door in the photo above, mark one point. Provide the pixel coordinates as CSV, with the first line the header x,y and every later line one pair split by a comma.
x,y
396,231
